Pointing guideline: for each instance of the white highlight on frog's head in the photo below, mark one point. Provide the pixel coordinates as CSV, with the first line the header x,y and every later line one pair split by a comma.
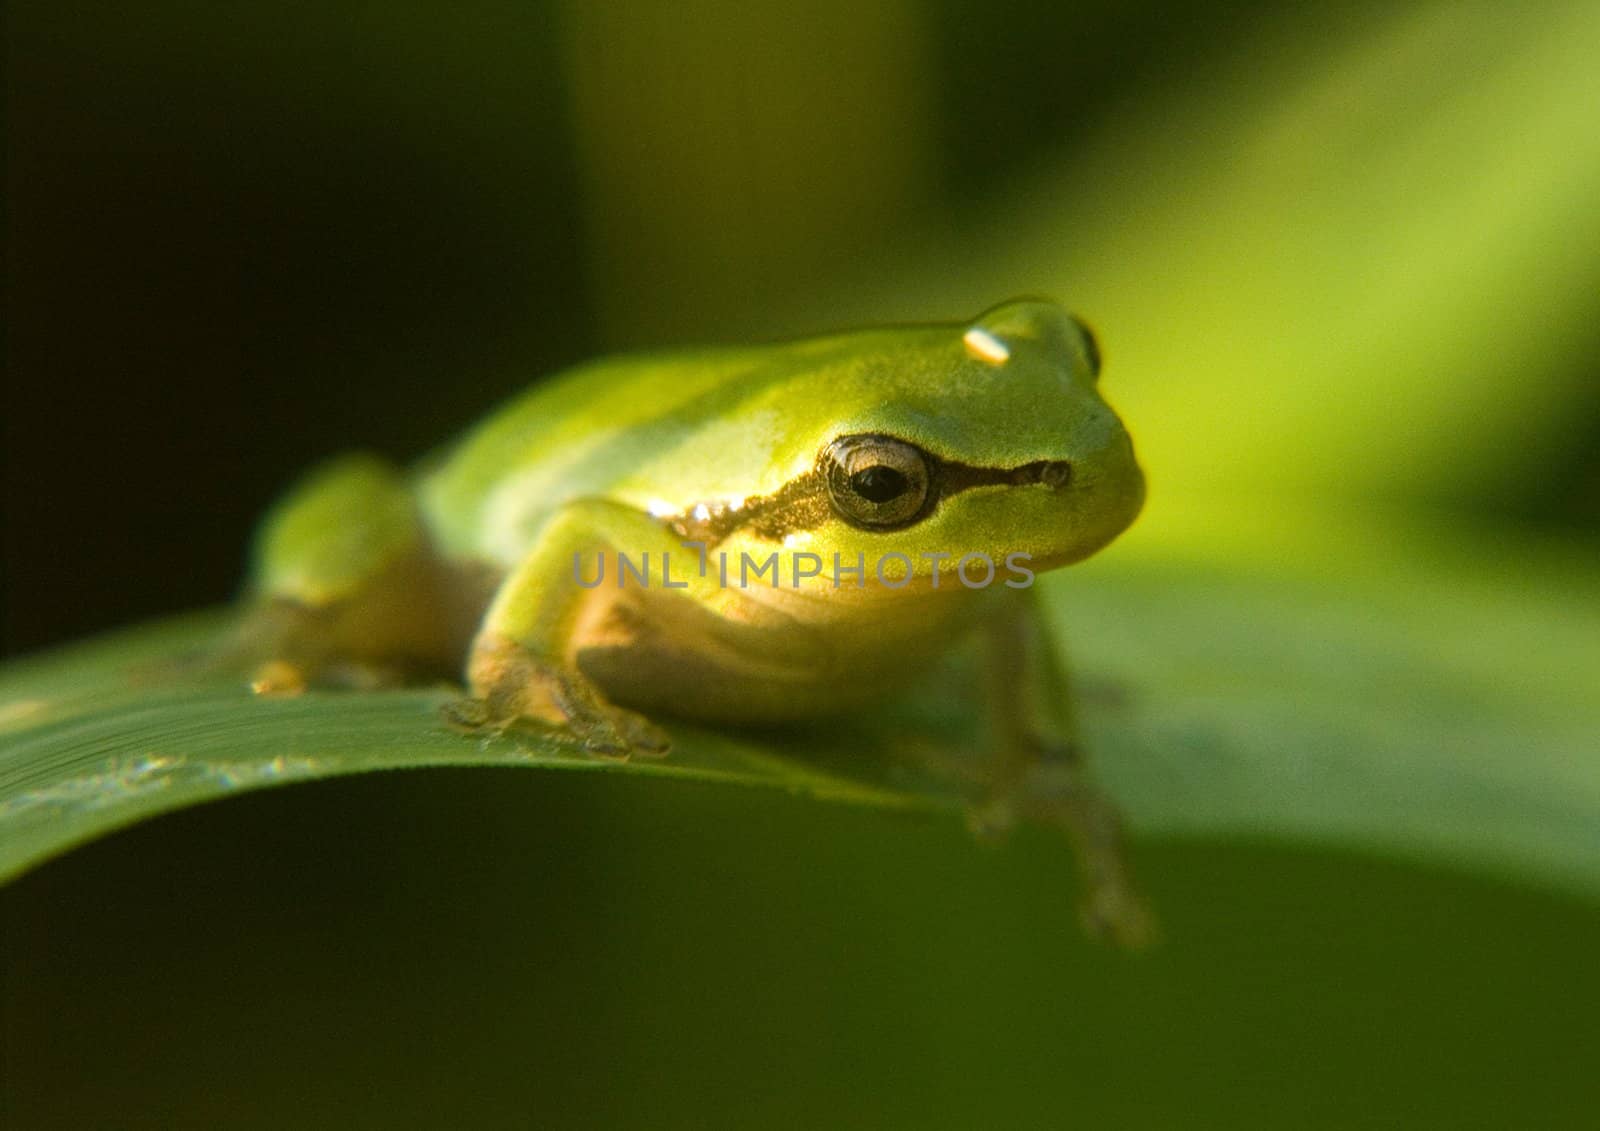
x,y
701,512
660,508
984,346
797,538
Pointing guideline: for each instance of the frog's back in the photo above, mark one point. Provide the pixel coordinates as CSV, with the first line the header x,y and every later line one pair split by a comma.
x,y
580,434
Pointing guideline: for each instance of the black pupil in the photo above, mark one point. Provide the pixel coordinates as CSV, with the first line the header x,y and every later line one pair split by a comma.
x,y
878,484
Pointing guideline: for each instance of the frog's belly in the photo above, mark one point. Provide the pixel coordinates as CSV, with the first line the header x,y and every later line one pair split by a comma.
x,y
756,659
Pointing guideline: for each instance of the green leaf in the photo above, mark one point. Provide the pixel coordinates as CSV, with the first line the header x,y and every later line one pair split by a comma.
x,y
1390,711
102,735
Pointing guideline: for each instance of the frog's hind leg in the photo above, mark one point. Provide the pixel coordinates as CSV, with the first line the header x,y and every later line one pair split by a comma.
x,y
346,590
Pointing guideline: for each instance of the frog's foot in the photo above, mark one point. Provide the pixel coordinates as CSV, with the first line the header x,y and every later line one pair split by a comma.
x,y
511,685
1053,791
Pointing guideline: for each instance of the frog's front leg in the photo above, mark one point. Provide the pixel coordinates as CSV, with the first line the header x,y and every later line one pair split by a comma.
x,y
1038,770
523,663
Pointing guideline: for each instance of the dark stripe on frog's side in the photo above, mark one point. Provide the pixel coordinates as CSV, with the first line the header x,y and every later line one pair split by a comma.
x,y
802,503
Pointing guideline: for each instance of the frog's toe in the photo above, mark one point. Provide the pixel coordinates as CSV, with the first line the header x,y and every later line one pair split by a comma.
x,y
1118,915
611,732
468,715
493,716
279,677
644,738
992,819
605,730
600,738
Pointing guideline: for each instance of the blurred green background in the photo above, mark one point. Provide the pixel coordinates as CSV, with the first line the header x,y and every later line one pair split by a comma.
x,y
1343,262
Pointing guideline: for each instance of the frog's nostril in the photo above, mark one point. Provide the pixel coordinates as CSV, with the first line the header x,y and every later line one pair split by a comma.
x,y
1051,472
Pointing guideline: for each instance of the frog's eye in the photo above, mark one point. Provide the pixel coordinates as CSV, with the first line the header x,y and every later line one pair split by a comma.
x,y
1091,348
876,482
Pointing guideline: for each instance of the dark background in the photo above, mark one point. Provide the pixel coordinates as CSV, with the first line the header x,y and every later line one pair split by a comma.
x,y
241,238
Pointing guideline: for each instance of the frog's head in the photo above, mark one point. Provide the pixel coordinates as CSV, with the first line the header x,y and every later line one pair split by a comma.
x,y
983,437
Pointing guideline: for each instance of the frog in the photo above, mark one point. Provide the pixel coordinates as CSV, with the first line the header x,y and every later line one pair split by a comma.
x,y
930,447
